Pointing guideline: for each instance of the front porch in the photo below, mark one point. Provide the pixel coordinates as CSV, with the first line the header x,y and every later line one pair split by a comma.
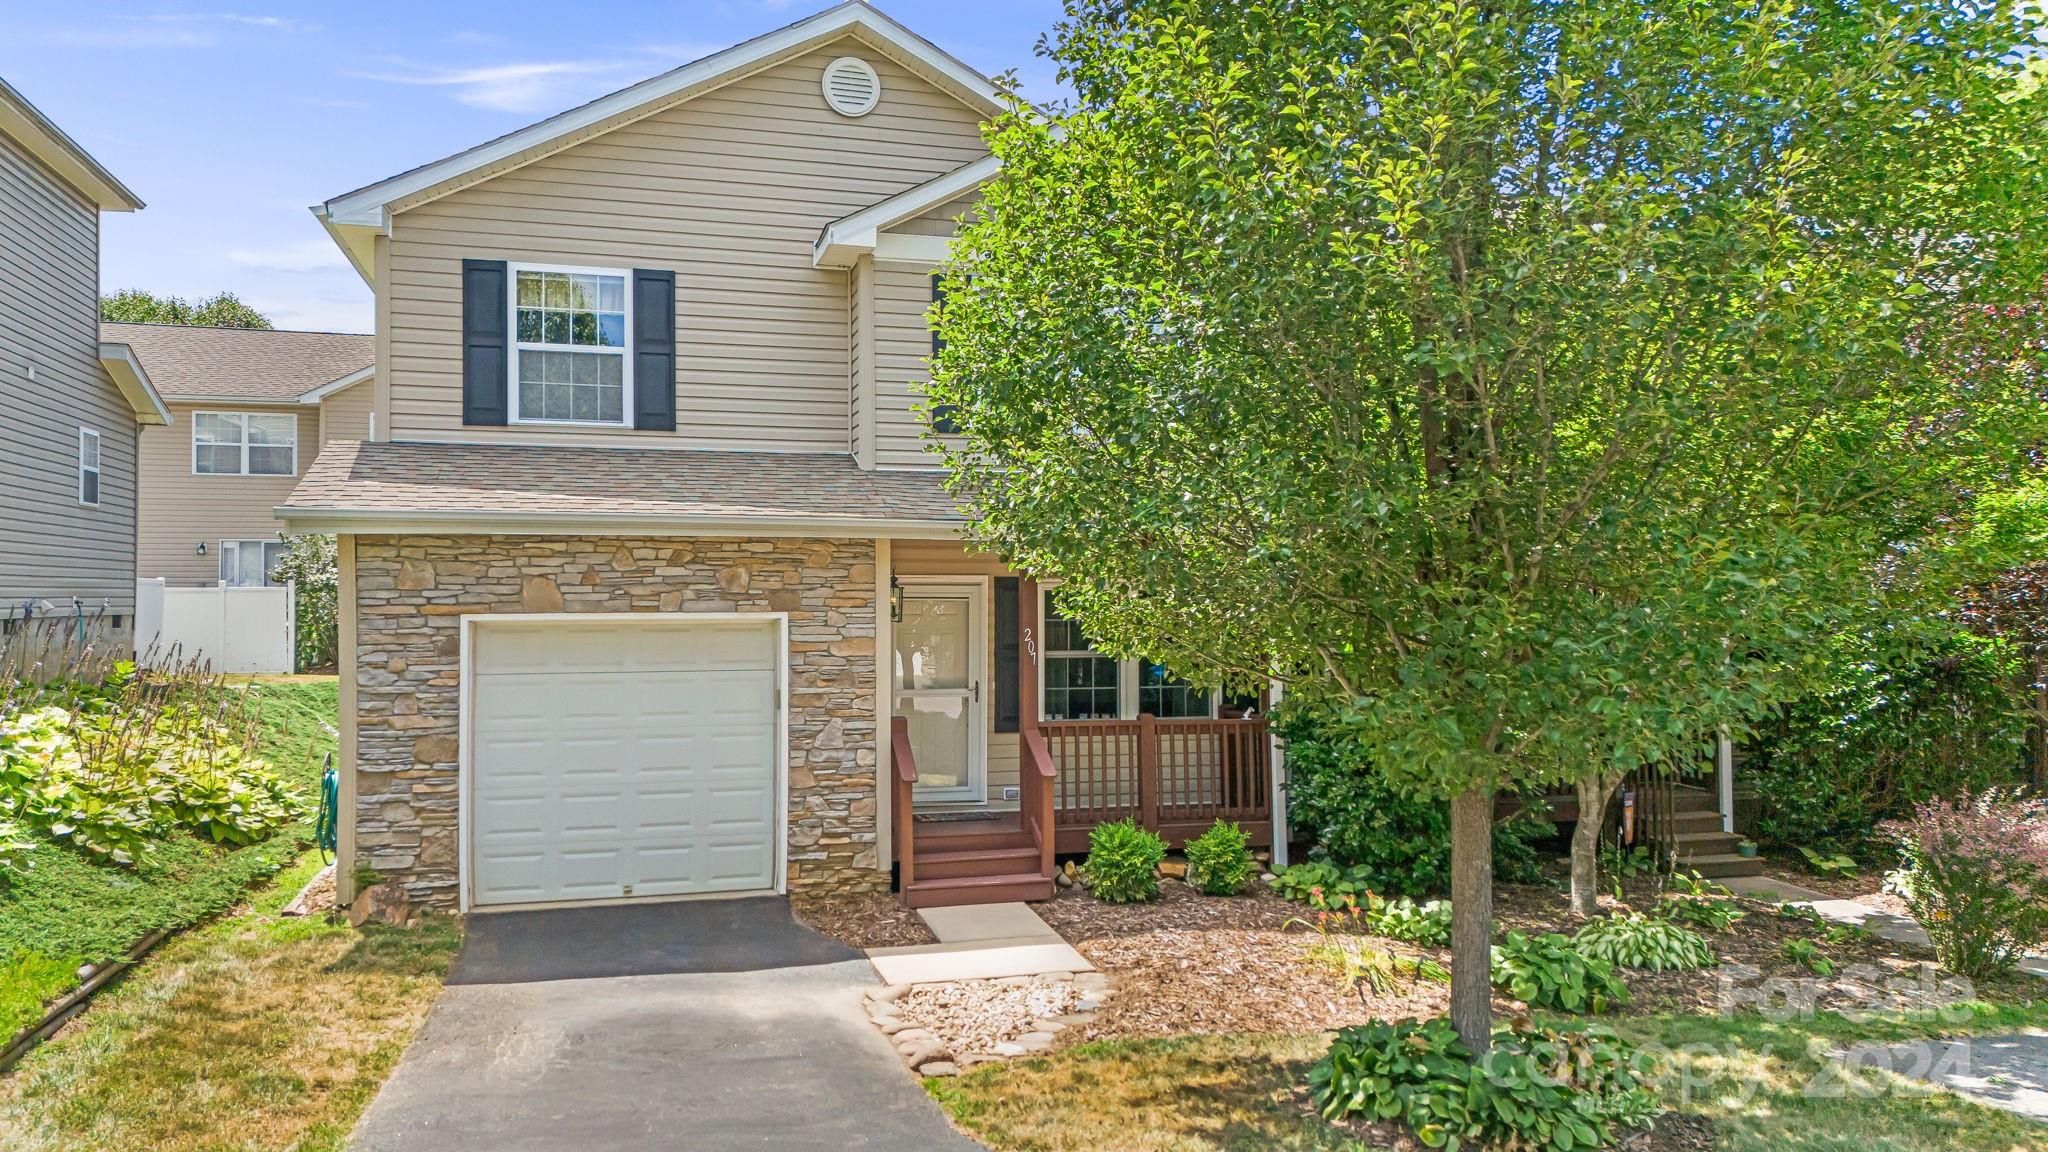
x,y
990,780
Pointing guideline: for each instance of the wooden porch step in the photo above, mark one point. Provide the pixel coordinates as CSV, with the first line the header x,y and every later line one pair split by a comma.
x,y
956,890
1714,843
1686,822
976,861
974,836
1722,865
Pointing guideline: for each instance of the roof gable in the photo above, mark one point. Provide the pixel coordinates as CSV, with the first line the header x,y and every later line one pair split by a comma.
x,y
371,207
189,363
23,122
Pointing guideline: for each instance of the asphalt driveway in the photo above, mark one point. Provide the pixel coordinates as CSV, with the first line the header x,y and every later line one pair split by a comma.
x,y
708,1024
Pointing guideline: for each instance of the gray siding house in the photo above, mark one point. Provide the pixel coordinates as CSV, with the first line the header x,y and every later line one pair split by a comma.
x,y
71,407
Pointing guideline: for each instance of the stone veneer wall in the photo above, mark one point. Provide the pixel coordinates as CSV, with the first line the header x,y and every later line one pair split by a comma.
x,y
411,592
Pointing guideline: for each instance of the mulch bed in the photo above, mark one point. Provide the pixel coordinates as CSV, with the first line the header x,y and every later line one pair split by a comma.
x,y
1673,1132
872,920
1189,963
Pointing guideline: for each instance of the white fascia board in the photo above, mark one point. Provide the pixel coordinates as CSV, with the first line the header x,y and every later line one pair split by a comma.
x,y
126,370
354,378
843,241
381,522
357,242
370,207
26,124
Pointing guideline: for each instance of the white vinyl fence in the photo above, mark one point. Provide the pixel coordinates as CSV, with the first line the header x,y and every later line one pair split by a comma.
x,y
234,629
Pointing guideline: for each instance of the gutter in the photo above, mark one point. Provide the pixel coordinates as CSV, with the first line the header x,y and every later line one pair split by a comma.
x,y
373,522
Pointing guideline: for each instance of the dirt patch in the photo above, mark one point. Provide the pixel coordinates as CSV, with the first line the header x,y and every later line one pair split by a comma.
x,y
870,920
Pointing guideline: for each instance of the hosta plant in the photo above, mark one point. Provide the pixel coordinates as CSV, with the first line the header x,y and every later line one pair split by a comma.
x,y
1549,971
1403,919
1220,860
1325,887
1641,942
1700,902
1537,1088
1123,862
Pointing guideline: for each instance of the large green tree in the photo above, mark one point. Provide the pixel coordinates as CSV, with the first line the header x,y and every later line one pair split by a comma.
x,y
1531,383
221,310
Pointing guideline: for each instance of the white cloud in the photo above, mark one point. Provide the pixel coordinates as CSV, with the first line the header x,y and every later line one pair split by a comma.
x,y
530,87
280,23
315,255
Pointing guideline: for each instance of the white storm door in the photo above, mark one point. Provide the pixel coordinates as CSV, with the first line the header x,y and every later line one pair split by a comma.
x,y
622,759
939,662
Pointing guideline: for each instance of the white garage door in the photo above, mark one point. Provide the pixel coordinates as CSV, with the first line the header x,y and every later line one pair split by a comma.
x,y
621,759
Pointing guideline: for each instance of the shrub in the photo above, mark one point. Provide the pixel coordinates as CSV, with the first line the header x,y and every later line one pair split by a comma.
x,y
1123,862
1220,860
1403,919
310,563
1338,801
1548,971
1537,1088
1911,718
1640,942
1976,876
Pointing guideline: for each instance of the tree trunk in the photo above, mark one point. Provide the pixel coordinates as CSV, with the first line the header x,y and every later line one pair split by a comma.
x,y
1593,793
1472,918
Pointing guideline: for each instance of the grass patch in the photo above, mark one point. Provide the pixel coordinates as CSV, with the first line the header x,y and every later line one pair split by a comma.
x,y
67,910
1752,1077
256,1032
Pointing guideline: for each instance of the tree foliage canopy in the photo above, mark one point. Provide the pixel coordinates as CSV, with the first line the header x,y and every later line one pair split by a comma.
x,y
222,310
1539,383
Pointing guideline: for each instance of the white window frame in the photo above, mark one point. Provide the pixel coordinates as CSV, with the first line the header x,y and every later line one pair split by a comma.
x,y
242,417
91,435
236,547
517,348
1126,675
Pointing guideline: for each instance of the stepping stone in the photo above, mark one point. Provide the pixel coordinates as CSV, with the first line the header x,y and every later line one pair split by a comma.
x,y
969,923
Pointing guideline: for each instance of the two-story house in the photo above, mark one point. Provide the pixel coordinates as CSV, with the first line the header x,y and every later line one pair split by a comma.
x,y
649,587
71,405
249,411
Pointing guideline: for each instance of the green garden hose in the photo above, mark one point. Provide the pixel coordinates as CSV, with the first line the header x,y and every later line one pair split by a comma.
x,y
330,808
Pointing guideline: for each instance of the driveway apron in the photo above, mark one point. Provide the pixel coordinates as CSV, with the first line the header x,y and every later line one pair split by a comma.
x,y
703,1024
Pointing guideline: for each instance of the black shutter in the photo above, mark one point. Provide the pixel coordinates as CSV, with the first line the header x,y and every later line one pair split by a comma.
x,y
486,351
943,415
654,350
1008,654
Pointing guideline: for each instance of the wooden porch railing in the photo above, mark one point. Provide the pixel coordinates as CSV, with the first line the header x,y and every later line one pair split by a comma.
x,y
903,817
1176,777
1037,779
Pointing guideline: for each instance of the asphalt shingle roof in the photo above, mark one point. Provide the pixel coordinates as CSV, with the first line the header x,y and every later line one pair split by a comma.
x,y
187,362
397,477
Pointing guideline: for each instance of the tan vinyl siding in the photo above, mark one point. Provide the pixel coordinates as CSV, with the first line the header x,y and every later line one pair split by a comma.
x,y
939,221
909,558
52,547
180,509
729,189
345,415
903,348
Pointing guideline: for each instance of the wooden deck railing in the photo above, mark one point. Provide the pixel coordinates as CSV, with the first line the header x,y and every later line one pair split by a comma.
x,y
1176,777
903,782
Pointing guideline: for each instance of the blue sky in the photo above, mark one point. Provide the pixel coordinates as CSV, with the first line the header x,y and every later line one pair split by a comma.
x,y
229,120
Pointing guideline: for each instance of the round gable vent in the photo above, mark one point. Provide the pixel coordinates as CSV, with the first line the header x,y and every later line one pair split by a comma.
x,y
851,86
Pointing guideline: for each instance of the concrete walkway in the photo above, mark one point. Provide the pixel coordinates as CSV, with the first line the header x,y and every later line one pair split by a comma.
x,y
709,1024
979,942
1881,924
2008,1072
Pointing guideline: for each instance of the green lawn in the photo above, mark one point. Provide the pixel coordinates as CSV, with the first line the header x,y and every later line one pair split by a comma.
x,y
67,911
256,1032
1761,1083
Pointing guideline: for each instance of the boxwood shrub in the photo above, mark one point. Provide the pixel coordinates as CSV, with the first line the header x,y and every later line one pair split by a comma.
x,y
1123,862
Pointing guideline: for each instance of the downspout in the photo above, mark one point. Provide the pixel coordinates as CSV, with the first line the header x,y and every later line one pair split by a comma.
x,y
1277,757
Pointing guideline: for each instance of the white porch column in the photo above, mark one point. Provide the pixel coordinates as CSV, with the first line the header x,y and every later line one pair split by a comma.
x,y
1724,780
1277,755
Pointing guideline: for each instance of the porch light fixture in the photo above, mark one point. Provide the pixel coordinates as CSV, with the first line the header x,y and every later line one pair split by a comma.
x,y
895,601
202,547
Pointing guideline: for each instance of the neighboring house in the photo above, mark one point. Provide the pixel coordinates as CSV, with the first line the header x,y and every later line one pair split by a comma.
x,y
250,411
70,406
648,587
